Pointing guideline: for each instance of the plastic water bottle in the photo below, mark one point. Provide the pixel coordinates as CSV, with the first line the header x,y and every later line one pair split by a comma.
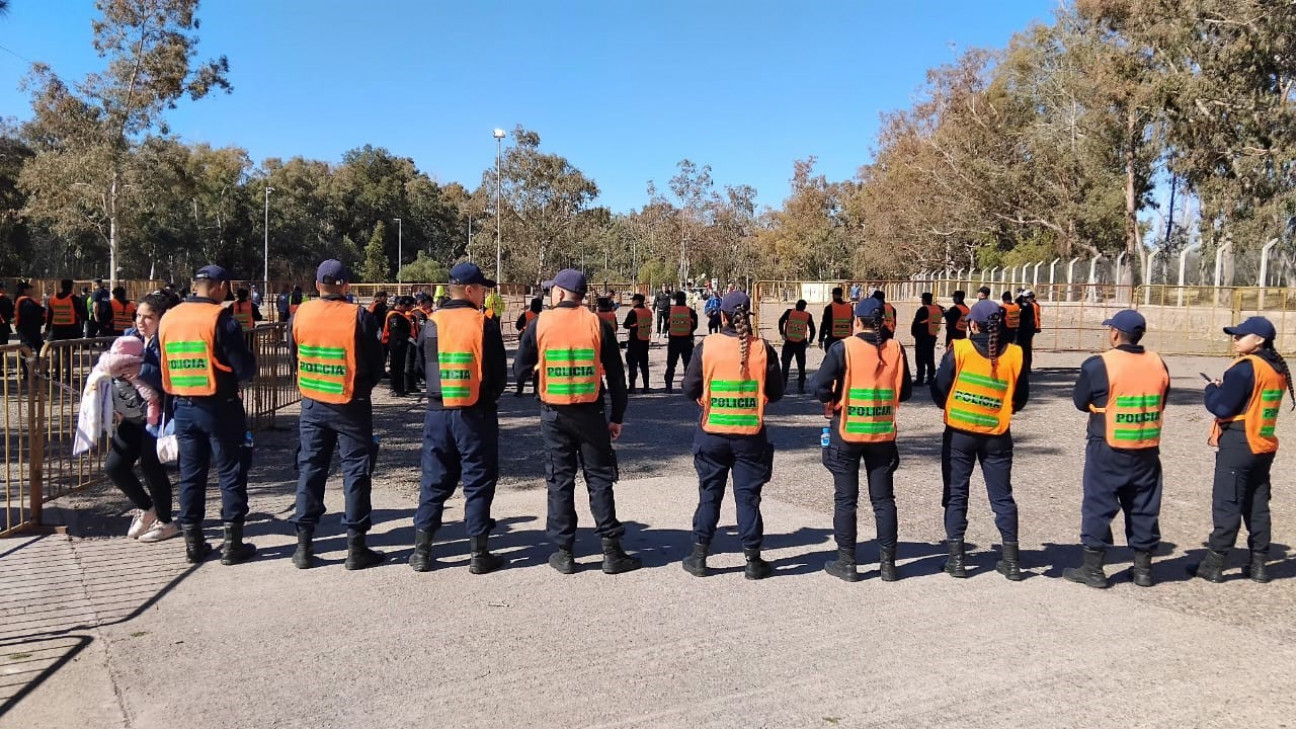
x,y
825,437
247,439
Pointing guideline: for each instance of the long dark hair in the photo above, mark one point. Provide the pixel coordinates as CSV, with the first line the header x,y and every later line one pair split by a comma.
x,y
740,319
875,325
1280,364
993,327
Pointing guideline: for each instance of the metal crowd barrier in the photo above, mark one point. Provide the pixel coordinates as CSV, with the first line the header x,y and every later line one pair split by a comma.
x,y
41,399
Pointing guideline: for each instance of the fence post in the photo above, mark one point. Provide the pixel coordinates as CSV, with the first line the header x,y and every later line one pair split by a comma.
x,y
1035,276
1071,276
1093,277
1219,258
1052,282
1147,276
1120,262
1264,271
36,439
1183,265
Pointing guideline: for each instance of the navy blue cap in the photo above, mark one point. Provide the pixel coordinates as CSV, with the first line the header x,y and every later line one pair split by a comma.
x,y
332,273
868,307
570,279
464,274
1128,321
983,310
1257,325
734,299
212,273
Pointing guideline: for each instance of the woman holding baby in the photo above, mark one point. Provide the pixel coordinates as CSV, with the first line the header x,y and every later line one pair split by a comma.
x,y
135,366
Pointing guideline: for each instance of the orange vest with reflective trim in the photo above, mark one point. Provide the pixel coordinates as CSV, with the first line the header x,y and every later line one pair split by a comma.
x,y
459,355
842,318
325,333
187,339
570,341
961,326
870,394
608,316
796,327
62,311
243,314
1035,305
1261,414
733,401
386,332
981,399
643,323
888,317
681,324
123,315
1012,315
934,316
1136,385
528,316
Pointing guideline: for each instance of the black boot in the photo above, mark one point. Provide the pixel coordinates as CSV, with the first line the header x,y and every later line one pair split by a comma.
x,y
886,564
563,561
421,559
1010,565
757,568
800,387
695,564
1141,572
616,561
954,566
482,560
1091,572
1211,568
235,550
359,555
196,546
843,568
1256,570
304,557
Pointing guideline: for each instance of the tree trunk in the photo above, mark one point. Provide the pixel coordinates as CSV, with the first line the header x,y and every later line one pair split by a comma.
x,y
1132,242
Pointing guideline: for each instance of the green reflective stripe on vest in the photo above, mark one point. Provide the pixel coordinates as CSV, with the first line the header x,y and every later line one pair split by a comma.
x,y
870,428
331,388
1137,433
974,418
198,347
865,393
306,350
452,392
990,382
1267,431
1271,395
189,380
1138,401
739,386
575,355
714,418
455,357
582,388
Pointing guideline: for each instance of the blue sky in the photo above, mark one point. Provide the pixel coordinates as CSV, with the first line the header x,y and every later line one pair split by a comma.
x,y
624,89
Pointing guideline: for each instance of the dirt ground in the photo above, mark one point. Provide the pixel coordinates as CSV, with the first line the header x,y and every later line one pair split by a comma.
x,y
266,645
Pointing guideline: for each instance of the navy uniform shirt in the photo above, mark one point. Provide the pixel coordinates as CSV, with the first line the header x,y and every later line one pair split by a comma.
x,y
369,350
528,356
494,360
1231,397
1092,388
693,377
231,350
944,380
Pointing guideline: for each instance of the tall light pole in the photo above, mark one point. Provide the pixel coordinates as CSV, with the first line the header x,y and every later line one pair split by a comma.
x,y
400,247
265,281
499,146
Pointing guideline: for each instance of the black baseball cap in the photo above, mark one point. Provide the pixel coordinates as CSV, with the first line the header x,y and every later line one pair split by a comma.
x,y
212,273
570,279
1257,325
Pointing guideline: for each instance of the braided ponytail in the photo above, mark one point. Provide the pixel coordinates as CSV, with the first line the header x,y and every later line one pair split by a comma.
x,y
1282,369
742,326
875,323
993,328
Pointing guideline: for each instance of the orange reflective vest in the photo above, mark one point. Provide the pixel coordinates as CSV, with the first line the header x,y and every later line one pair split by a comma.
x,y
796,327
1012,315
842,318
870,394
62,311
608,316
123,315
961,326
528,316
386,333
681,324
1135,399
243,314
733,398
934,316
459,355
981,399
888,317
326,350
643,323
1035,305
187,335
570,340
1261,414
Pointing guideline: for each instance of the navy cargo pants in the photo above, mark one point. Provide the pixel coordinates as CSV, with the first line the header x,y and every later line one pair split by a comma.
x,y
880,461
1240,493
1121,480
575,433
348,428
751,459
960,453
459,444
212,429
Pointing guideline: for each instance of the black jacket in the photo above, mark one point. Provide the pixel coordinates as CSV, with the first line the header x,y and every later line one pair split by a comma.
x,y
494,360
528,355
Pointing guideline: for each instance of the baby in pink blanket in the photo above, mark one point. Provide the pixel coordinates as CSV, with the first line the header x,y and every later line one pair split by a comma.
x,y
123,361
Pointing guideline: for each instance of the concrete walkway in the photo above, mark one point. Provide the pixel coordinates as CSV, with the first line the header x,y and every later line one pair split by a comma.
x,y
111,633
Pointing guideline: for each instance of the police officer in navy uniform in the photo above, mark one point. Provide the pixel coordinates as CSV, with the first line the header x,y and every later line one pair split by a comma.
x,y
573,347
204,358
1124,390
397,332
339,361
681,323
467,371
722,443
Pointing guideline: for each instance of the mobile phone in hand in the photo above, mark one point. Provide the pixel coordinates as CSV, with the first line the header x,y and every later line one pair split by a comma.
x,y
1206,377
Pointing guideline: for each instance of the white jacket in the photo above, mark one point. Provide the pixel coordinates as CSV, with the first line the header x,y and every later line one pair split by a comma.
x,y
95,418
